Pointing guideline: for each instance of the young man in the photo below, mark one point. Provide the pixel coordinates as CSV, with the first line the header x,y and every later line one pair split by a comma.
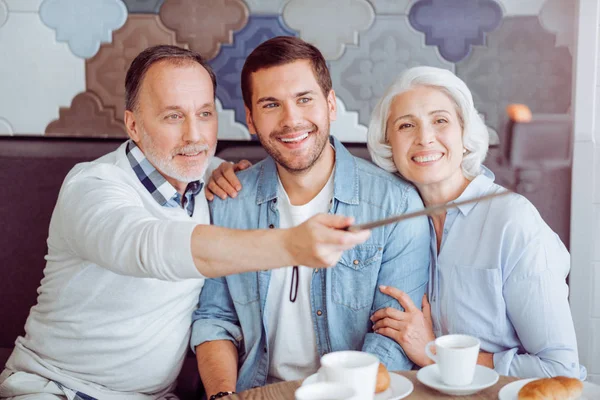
x,y
129,246
263,327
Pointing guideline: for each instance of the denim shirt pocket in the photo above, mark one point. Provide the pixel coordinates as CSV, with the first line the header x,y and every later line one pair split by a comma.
x,y
475,303
243,288
355,276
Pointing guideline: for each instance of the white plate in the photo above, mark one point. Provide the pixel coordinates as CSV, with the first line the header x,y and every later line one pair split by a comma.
x,y
484,378
400,387
511,391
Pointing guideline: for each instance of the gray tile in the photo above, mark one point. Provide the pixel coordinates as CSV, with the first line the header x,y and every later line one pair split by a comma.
x,y
558,17
31,6
3,13
143,6
84,24
512,8
5,127
364,72
41,76
394,7
519,65
329,25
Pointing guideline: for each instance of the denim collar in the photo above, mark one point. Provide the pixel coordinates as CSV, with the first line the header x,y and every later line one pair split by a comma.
x,y
345,179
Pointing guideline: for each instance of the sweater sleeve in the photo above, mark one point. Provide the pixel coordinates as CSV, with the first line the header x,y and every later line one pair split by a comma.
x,y
104,221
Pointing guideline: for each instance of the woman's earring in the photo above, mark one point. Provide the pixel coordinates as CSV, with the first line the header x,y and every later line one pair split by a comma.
x,y
464,150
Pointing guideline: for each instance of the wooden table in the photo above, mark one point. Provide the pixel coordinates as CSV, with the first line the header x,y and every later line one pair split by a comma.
x,y
285,391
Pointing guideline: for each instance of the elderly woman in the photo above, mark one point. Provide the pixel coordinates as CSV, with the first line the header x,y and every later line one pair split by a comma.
x,y
498,271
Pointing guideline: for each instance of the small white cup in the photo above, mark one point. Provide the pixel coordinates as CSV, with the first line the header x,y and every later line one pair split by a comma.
x,y
354,369
325,391
456,358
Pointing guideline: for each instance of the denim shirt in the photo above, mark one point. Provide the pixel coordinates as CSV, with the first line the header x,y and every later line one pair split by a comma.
x,y
343,297
500,276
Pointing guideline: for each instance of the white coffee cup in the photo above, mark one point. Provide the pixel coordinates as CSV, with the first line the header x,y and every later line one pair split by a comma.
x,y
354,369
325,391
456,358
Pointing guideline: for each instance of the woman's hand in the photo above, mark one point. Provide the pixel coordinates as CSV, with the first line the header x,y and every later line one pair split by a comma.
x,y
223,181
412,328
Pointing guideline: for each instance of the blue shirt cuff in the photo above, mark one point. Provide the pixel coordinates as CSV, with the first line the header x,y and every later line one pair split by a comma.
x,y
208,330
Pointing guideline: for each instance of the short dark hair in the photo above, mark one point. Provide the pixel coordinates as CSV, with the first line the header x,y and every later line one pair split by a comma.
x,y
140,65
279,51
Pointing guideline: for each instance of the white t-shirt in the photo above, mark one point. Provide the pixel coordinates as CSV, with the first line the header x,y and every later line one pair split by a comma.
x,y
292,343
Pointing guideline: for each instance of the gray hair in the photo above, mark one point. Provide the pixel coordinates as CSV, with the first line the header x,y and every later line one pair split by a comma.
x,y
475,134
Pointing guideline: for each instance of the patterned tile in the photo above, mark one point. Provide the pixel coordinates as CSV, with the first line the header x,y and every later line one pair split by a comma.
x,y
24,5
464,24
204,25
336,23
519,65
143,6
266,6
105,72
42,75
514,8
5,128
558,17
346,126
83,24
363,73
86,117
3,13
228,64
229,128
394,7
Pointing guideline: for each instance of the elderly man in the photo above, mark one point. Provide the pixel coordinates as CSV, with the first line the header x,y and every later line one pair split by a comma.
x,y
263,327
130,244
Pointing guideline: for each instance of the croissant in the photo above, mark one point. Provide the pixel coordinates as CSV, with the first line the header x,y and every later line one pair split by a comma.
x,y
558,388
383,379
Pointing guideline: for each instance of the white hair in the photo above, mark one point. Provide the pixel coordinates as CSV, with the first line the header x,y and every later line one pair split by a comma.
x,y
475,135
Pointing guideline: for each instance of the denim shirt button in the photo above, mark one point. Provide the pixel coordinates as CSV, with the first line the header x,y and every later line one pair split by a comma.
x,y
319,313
316,270
265,349
355,262
274,201
271,226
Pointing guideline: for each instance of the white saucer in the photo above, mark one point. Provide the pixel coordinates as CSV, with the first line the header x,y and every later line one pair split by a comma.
x,y
511,391
484,378
400,387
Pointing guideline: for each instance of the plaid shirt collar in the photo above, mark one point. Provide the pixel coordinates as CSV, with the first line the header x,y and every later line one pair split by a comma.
x,y
161,190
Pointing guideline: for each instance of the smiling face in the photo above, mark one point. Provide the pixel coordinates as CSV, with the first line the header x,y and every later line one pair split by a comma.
x,y
290,114
425,133
175,122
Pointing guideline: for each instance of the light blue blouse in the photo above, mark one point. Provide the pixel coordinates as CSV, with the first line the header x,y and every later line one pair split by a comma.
x,y
500,276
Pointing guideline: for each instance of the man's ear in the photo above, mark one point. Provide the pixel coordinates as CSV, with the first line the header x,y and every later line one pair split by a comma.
x,y
332,105
133,127
249,121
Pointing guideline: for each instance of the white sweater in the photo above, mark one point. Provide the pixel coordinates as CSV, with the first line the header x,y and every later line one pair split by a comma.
x,y
114,307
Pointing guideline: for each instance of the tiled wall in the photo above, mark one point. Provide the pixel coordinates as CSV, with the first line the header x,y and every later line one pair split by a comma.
x,y
63,62
585,218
